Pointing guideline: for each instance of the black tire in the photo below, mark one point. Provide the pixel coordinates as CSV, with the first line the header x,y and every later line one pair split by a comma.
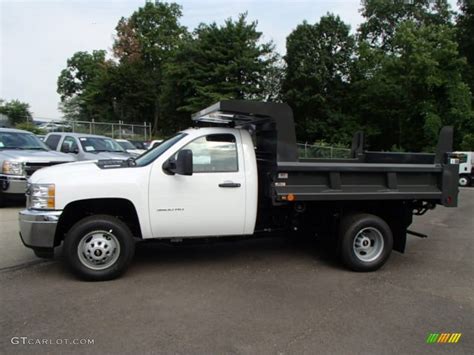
x,y
106,225
354,226
464,181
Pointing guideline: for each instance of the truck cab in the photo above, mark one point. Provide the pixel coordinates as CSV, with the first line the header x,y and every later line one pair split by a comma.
x,y
466,167
235,173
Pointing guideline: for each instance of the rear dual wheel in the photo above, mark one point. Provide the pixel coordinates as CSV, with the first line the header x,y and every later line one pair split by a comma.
x,y
365,242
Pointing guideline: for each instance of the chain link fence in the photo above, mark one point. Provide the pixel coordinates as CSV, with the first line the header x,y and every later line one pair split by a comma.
x,y
114,130
319,151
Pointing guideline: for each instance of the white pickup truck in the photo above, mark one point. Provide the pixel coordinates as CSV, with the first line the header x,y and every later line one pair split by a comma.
x,y
239,175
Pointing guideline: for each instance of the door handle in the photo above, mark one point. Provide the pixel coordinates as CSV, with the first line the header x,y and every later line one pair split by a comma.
x,y
229,184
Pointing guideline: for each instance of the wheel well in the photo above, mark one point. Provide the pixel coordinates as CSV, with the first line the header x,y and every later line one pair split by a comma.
x,y
117,207
326,217
398,215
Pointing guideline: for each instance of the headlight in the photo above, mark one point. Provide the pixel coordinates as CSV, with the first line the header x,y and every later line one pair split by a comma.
x,y
11,167
41,196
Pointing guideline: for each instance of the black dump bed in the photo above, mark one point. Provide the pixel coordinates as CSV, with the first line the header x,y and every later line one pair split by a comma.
x,y
365,176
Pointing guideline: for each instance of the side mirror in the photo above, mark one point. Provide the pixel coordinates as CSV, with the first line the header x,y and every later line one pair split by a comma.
x,y
65,148
182,165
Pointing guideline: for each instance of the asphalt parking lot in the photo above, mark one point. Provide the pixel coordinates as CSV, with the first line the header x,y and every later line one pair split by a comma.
x,y
255,296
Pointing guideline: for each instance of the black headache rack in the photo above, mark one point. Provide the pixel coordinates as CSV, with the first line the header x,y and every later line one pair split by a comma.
x,y
427,179
271,123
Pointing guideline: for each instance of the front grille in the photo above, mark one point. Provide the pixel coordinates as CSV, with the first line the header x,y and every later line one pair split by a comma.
x,y
30,168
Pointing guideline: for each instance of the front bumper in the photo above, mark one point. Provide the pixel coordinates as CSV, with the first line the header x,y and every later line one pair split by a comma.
x,y
38,228
11,184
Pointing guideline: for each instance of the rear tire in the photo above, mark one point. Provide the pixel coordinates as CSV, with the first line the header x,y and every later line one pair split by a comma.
x,y
365,242
464,181
99,248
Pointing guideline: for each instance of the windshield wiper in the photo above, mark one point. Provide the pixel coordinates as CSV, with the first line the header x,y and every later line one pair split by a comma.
x,y
35,148
12,148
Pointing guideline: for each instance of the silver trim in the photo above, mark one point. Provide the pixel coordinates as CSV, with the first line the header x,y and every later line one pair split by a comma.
x,y
12,184
38,228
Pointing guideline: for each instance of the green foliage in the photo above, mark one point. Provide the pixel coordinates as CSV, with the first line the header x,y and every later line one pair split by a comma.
x,y
465,38
217,63
30,127
80,86
93,87
16,111
408,77
467,143
408,71
319,59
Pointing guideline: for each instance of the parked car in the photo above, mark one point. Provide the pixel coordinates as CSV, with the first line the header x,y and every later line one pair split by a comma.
x,y
155,143
139,144
129,147
86,146
21,154
238,177
55,126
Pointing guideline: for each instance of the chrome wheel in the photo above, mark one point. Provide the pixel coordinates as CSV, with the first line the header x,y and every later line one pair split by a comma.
x,y
368,244
98,250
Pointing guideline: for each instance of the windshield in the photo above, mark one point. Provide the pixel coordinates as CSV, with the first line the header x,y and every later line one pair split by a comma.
x,y
154,153
462,157
126,145
99,144
19,140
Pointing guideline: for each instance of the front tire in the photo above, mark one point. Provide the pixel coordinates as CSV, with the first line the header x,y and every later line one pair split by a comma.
x,y
99,248
464,180
365,242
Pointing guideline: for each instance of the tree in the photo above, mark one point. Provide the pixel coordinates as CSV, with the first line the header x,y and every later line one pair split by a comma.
x,y
465,38
78,85
218,62
16,111
144,43
317,79
382,18
408,77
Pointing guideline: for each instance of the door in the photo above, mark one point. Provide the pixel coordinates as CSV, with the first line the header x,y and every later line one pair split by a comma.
x,y
69,145
211,201
52,141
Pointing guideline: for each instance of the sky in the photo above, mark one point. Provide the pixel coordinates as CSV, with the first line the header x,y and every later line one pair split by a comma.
x,y
37,37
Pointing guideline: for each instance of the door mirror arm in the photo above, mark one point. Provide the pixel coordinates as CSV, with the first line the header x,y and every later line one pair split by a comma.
x,y
169,166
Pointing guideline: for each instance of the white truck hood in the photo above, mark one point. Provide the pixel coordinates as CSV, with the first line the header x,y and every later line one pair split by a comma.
x,y
86,180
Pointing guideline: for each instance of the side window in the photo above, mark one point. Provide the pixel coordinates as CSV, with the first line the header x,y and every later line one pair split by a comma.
x,y
214,153
71,143
52,141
